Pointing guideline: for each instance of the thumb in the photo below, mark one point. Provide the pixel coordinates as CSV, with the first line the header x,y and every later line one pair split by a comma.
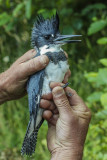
x,y
61,102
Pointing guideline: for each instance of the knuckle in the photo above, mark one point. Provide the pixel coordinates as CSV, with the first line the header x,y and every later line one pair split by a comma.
x,y
89,114
73,91
34,65
62,102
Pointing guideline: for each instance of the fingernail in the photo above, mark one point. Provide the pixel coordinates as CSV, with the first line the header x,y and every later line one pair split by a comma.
x,y
69,94
64,86
51,83
58,93
44,60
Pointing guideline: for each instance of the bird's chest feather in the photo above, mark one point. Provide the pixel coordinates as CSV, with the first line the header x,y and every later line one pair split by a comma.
x,y
54,72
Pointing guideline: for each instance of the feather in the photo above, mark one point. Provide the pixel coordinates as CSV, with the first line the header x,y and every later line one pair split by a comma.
x,y
34,89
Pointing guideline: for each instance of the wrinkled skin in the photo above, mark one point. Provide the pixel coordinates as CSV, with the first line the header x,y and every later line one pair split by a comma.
x,y
68,120
13,81
68,117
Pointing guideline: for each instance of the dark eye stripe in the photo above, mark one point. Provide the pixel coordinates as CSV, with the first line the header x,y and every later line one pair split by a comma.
x,y
47,36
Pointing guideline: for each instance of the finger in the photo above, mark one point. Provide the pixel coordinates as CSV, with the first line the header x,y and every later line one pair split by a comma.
x,y
75,100
46,104
47,96
47,115
53,119
27,56
62,103
55,84
67,76
33,65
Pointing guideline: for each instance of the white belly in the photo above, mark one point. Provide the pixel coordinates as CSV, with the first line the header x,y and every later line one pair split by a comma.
x,y
54,72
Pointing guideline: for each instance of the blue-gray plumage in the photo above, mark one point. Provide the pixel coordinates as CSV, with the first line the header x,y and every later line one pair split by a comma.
x,y
46,39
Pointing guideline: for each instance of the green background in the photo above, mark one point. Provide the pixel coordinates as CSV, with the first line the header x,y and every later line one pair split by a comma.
x,y
88,64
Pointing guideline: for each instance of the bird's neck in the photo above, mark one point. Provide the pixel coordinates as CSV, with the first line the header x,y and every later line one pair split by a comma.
x,y
47,48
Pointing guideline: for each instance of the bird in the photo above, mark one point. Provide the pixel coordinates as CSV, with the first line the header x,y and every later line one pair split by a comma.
x,y
46,40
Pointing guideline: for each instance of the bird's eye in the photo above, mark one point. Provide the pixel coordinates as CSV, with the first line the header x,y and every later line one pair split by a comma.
x,y
47,37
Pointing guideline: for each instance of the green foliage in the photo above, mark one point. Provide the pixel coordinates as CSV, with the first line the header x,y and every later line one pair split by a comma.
x,y
96,26
102,40
4,18
76,17
98,99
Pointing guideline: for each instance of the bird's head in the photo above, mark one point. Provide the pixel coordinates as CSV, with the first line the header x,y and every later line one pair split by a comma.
x,y
46,32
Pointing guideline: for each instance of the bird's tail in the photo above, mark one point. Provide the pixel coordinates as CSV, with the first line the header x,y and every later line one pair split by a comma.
x,y
29,143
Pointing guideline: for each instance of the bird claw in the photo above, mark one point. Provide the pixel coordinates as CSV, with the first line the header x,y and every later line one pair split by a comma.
x,y
65,85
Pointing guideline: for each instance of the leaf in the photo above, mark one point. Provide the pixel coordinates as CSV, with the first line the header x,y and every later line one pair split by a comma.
x,y
4,18
17,9
99,6
103,61
94,97
102,76
28,10
102,114
89,8
41,11
102,40
46,12
96,26
67,30
104,100
9,26
91,76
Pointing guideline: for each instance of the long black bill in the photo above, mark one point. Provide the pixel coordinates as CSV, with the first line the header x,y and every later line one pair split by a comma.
x,y
61,39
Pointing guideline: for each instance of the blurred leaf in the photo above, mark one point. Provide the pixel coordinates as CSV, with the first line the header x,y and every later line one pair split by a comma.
x,y
9,26
16,11
77,23
91,76
102,76
96,26
44,142
94,19
28,10
104,100
67,30
46,13
8,3
94,97
103,61
101,114
98,6
4,18
102,40
66,12
41,11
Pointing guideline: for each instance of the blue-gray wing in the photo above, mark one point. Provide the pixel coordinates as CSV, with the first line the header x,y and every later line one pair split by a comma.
x,y
34,89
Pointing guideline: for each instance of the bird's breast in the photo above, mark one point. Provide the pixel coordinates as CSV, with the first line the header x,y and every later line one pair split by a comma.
x,y
54,72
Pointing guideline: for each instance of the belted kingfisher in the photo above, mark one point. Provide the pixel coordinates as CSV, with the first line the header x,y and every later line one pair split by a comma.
x,y
46,39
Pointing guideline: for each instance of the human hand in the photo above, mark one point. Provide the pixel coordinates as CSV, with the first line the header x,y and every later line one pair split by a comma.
x,y
68,120
13,81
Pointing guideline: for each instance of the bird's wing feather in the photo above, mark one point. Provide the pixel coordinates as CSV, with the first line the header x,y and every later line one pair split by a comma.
x,y
34,88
